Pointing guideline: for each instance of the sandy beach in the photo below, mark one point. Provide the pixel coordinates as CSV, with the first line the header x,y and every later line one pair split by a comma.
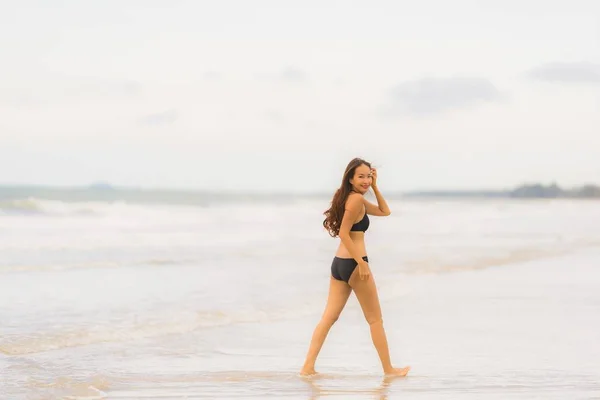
x,y
467,335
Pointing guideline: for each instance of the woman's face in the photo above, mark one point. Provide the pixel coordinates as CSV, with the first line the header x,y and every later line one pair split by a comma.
x,y
362,179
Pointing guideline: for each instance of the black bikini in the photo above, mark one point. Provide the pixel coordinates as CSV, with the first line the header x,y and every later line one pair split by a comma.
x,y
342,268
361,225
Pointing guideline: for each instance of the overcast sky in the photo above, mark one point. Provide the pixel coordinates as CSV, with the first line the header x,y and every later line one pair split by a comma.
x,y
280,95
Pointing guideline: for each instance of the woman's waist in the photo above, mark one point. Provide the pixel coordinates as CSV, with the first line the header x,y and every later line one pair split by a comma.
x,y
359,246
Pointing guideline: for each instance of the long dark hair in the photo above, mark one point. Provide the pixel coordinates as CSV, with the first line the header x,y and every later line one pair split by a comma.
x,y
335,213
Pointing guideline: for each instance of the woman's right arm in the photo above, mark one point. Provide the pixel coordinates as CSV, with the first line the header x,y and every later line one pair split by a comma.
x,y
354,205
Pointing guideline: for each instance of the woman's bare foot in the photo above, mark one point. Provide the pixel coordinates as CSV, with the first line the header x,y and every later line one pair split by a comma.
x,y
397,371
308,372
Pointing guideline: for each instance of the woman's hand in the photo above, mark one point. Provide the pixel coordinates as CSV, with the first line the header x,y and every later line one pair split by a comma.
x,y
374,177
364,270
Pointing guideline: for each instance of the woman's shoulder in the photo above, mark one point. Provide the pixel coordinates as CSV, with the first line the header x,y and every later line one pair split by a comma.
x,y
354,200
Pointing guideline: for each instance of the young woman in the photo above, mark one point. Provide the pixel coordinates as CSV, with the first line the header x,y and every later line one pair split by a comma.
x,y
347,218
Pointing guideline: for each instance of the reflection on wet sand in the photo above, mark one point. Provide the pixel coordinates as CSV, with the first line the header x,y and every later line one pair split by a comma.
x,y
319,387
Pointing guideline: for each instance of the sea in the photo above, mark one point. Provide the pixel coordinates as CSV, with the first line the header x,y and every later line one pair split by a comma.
x,y
191,296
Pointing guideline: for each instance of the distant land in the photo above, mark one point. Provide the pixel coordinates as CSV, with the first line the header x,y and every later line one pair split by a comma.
x,y
105,192
531,191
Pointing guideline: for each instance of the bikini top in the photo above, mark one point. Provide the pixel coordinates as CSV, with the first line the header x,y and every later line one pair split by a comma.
x,y
361,225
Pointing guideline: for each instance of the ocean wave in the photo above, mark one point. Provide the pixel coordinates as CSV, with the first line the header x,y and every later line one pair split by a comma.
x,y
34,206
427,265
174,323
56,267
477,260
108,264
468,259
67,388
153,262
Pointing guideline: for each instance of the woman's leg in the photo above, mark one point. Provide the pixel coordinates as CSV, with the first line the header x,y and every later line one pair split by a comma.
x,y
366,293
339,291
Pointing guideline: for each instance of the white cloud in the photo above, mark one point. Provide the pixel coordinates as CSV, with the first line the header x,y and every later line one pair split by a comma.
x,y
160,118
288,74
291,74
428,96
35,90
563,72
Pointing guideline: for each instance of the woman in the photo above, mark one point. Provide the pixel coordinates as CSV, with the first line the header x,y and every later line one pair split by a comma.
x,y
348,218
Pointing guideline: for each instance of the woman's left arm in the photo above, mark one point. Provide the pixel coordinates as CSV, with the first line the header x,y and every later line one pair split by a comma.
x,y
381,209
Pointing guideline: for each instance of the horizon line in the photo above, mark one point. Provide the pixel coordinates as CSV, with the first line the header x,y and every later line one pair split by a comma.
x,y
108,186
